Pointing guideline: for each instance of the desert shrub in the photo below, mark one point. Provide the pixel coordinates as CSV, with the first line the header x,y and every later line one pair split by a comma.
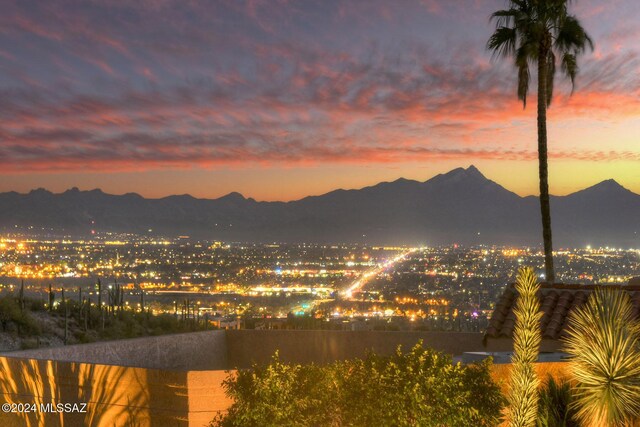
x,y
29,343
36,305
281,394
9,311
12,317
27,325
419,388
555,407
422,387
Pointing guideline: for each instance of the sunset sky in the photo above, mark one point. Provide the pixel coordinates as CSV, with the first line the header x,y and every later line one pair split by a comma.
x,y
281,99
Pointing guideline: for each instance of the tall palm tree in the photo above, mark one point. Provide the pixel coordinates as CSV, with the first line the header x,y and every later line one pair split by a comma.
x,y
538,32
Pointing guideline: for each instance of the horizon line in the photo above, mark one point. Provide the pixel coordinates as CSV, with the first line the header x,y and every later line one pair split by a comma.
x,y
471,168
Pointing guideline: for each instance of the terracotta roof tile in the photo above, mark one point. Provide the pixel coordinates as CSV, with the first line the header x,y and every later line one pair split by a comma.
x,y
556,303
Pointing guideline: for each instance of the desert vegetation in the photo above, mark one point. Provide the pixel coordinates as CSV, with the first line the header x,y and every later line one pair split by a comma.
x,y
421,387
30,323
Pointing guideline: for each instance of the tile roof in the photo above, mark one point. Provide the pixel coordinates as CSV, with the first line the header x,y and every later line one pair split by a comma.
x,y
556,302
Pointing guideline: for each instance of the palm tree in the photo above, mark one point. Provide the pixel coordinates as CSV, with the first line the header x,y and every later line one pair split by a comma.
x,y
603,339
539,31
523,388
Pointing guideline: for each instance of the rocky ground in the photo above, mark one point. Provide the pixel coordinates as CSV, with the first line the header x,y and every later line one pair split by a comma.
x,y
52,335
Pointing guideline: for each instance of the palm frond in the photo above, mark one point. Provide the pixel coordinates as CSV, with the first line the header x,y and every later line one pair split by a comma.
x,y
503,42
551,74
523,82
571,36
504,18
524,54
569,67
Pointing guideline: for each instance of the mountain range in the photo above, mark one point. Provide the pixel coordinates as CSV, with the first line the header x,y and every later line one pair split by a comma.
x,y
461,206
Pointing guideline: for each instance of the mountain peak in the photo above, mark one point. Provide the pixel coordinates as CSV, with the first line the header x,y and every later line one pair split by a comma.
x,y
608,186
473,171
461,174
234,196
40,191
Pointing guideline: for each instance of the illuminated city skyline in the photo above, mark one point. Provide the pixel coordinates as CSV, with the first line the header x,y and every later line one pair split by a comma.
x,y
283,100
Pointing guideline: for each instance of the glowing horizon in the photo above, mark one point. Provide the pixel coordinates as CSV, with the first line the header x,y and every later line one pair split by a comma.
x,y
161,195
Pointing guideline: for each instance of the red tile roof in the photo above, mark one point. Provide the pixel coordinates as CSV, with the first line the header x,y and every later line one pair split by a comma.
x,y
556,302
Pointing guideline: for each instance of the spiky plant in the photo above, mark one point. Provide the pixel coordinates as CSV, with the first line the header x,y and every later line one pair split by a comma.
x,y
523,388
554,405
603,338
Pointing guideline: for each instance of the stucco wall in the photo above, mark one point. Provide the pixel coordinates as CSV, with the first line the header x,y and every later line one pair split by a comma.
x,y
114,395
191,351
248,346
212,350
506,344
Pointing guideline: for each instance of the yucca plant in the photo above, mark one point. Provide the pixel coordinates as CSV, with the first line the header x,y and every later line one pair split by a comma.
x,y
554,404
523,388
603,339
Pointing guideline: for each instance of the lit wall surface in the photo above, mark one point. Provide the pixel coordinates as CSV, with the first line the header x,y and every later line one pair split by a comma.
x,y
114,395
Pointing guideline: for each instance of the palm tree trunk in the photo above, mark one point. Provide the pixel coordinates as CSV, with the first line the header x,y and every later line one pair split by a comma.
x,y
543,172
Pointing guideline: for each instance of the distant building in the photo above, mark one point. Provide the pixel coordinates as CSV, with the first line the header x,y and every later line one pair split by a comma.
x,y
225,322
360,325
557,302
272,323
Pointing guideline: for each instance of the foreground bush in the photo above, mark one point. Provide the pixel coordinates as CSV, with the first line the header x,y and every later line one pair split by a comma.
x,y
418,388
555,408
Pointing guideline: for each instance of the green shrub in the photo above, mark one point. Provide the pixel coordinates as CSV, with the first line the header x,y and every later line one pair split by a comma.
x,y
555,407
36,305
29,343
11,316
9,311
281,394
27,325
418,388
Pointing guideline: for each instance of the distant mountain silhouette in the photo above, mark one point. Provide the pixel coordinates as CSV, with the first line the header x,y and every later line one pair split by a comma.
x,y
459,206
